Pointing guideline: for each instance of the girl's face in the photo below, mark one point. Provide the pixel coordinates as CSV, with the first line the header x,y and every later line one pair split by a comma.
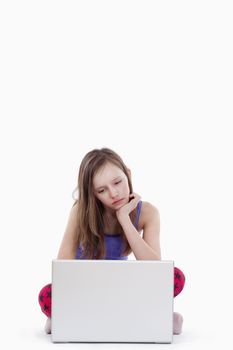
x,y
110,185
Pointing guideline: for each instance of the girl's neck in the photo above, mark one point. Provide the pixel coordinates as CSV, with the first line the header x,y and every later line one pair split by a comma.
x,y
110,215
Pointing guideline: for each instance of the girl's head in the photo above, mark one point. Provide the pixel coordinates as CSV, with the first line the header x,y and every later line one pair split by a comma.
x,y
103,179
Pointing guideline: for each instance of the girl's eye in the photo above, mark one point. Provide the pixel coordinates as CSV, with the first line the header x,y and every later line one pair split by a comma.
x,y
115,184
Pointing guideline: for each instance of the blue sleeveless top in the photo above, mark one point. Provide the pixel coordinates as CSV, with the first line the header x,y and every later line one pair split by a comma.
x,y
114,243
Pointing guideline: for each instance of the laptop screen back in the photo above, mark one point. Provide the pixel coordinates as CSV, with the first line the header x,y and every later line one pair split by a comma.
x,y
112,301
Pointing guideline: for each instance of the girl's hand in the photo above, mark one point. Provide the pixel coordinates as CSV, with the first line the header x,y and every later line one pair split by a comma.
x,y
126,209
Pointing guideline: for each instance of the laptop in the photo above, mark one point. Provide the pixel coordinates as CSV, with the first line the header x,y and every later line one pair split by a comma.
x,y
112,301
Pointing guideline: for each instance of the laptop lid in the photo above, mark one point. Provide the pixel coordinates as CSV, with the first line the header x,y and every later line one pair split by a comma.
x,y
112,301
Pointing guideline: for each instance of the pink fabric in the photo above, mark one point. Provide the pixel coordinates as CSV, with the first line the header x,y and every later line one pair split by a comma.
x,y
45,294
179,281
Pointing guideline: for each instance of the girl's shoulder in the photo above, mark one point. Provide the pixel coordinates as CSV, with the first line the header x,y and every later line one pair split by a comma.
x,y
148,211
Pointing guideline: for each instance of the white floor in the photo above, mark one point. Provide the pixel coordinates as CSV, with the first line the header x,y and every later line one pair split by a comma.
x,y
33,337
210,332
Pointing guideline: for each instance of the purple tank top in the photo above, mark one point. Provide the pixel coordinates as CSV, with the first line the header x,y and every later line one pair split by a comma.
x,y
114,243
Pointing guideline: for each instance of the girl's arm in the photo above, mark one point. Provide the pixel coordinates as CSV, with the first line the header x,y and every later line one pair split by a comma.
x,y
68,247
148,247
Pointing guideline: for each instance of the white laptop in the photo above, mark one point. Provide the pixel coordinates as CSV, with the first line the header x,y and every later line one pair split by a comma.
x,y
112,301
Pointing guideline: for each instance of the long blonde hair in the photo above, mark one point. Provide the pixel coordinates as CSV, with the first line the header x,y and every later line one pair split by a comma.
x,y
90,223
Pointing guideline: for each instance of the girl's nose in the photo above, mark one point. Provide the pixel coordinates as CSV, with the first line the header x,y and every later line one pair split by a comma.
x,y
113,193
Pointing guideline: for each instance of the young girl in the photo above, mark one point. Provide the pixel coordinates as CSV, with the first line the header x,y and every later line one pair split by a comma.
x,y
106,222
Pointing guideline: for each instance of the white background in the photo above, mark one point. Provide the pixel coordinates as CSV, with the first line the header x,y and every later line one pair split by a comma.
x,y
153,80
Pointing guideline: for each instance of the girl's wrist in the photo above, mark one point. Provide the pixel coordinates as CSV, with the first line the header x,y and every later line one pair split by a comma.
x,y
123,218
